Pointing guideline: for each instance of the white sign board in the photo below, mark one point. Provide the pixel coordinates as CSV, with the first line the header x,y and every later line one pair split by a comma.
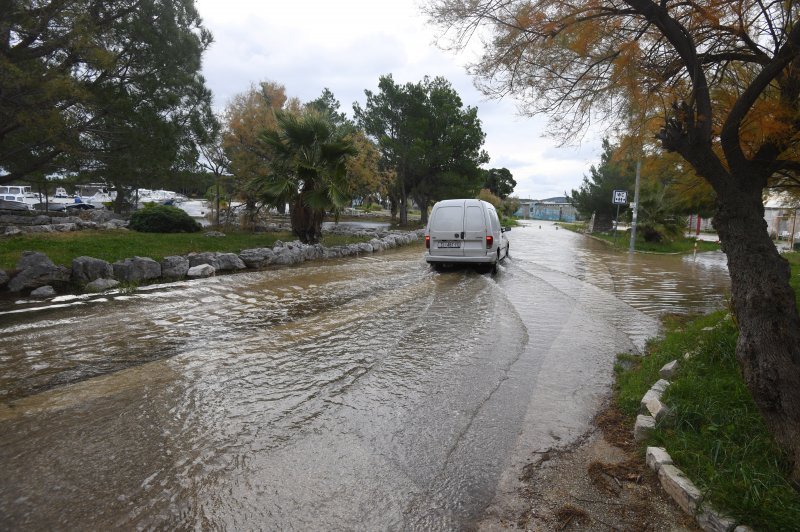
x,y
620,197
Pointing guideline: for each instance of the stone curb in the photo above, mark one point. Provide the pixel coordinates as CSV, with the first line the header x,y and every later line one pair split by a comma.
x,y
250,259
673,480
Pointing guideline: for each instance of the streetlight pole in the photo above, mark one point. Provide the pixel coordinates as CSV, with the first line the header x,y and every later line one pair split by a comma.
x,y
635,205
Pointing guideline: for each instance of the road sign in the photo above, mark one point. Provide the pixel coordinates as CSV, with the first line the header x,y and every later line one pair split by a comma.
x,y
620,197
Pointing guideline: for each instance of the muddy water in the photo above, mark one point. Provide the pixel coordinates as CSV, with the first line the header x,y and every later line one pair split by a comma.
x,y
369,393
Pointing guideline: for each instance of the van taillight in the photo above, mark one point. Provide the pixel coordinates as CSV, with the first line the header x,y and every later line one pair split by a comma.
x,y
427,241
489,241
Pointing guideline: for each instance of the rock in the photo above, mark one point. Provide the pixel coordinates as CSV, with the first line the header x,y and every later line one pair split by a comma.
x,y
220,261
87,269
114,224
174,267
257,257
215,234
284,256
644,425
669,370
376,244
365,247
656,457
660,386
12,230
680,488
651,402
711,520
33,258
228,262
101,285
201,271
196,259
44,292
36,270
137,269
64,228
3,278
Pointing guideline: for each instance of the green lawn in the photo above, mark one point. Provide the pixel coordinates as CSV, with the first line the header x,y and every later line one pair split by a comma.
x,y
112,246
714,433
623,238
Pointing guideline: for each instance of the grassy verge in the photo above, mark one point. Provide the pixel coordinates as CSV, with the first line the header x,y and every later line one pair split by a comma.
x,y
112,246
714,432
623,238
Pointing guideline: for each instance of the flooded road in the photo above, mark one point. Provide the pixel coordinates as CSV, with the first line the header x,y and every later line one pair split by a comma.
x,y
368,393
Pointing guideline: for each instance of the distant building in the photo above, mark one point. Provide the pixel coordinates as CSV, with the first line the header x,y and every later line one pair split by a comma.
x,y
553,209
780,213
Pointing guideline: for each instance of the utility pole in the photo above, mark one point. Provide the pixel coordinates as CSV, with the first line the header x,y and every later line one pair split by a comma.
x,y
635,204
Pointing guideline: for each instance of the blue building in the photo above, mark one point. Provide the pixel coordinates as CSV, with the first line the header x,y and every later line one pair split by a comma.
x,y
553,209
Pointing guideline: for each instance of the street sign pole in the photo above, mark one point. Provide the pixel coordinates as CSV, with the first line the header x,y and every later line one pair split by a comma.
x,y
620,197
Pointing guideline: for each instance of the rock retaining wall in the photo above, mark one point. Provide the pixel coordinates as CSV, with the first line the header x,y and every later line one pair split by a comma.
x,y
20,222
35,270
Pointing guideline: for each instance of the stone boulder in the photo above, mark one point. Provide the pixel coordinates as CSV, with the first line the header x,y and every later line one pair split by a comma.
x,y
137,269
44,292
220,261
101,285
228,262
365,247
87,269
200,271
257,257
3,278
174,267
284,256
35,270
114,224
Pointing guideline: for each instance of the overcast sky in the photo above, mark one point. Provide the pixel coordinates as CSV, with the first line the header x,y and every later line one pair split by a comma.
x,y
345,45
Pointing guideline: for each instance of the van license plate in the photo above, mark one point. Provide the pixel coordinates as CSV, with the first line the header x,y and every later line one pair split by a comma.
x,y
449,244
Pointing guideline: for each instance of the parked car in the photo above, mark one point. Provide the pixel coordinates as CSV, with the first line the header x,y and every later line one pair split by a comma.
x,y
465,231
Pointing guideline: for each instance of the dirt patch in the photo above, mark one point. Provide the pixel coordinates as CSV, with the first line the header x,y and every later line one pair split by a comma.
x,y
600,483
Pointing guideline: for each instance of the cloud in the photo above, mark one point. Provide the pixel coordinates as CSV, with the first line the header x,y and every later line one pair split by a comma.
x,y
308,45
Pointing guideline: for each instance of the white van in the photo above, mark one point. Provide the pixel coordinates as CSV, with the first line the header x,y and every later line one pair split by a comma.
x,y
464,231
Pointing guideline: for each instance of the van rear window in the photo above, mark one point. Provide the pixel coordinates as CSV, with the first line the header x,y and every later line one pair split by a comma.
x,y
474,221
448,219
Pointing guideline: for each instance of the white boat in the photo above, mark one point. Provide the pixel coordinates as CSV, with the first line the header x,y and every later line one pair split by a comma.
x,y
21,194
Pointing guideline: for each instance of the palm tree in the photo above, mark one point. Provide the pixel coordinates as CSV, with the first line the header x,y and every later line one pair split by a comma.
x,y
658,217
307,171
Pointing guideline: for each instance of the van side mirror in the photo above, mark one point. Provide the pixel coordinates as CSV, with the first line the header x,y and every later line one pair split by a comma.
x,y
506,229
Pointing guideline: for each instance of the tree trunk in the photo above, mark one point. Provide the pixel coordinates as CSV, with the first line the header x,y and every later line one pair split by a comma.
x,y
306,222
764,304
403,201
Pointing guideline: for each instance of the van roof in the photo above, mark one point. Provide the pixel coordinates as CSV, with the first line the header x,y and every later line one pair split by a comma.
x,y
450,202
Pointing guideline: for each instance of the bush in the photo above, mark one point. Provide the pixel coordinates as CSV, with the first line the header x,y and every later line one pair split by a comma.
x,y
163,219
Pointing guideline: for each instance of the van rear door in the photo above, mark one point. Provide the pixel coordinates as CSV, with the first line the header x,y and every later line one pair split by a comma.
x,y
447,230
475,224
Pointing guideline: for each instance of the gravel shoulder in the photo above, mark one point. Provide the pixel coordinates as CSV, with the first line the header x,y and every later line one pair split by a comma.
x,y
600,482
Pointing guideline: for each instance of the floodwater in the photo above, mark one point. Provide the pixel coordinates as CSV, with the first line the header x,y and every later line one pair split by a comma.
x,y
368,393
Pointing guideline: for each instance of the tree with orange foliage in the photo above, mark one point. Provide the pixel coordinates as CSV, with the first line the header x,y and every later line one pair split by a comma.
x,y
246,116
716,82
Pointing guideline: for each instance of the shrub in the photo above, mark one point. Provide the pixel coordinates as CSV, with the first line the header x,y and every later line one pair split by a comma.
x,y
163,219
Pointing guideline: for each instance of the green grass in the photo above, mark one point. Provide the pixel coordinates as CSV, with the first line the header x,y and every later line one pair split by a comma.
x,y
714,432
623,238
112,246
